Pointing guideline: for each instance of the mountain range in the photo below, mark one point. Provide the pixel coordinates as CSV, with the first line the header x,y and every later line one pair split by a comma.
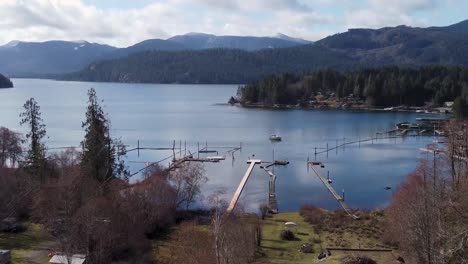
x,y
205,58
55,57
356,48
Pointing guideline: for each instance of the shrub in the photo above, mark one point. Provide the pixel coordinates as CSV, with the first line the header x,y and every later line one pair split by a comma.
x,y
287,235
307,248
317,240
313,215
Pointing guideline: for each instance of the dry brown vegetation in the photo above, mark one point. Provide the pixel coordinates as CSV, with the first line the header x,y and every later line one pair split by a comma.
x,y
343,231
428,216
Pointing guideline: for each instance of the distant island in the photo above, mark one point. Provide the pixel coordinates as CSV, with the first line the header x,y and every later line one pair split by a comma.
x,y
429,88
5,82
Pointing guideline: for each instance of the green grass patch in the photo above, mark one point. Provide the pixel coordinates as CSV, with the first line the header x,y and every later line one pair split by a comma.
x,y
354,234
280,251
23,244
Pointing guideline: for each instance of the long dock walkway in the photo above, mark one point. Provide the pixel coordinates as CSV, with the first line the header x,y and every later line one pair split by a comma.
x,y
241,186
330,188
272,201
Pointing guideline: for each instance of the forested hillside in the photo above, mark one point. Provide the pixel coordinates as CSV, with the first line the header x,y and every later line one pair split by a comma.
x,y
403,45
5,82
31,59
46,59
383,87
199,41
209,66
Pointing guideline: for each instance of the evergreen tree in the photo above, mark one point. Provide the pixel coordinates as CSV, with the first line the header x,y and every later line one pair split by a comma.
x,y
379,87
35,159
101,155
460,108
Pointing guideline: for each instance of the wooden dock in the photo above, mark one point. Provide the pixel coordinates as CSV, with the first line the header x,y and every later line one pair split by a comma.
x,y
241,186
330,188
272,201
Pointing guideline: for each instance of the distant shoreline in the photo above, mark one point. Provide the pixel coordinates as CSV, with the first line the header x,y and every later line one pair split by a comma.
x,y
349,109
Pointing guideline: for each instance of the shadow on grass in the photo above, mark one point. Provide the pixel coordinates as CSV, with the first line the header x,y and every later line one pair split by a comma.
x,y
274,248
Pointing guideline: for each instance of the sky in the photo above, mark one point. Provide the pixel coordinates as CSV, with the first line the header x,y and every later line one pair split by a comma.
x,y
122,23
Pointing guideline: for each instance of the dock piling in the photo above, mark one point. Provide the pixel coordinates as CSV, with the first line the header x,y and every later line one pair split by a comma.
x,y
327,150
336,147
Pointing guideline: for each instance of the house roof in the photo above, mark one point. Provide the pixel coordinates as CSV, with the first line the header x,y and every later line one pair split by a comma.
x,y
62,259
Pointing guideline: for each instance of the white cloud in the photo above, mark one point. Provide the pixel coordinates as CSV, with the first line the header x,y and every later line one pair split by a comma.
x,y
403,5
39,20
383,13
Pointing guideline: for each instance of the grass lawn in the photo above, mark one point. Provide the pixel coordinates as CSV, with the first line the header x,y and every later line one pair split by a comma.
x,y
278,251
25,246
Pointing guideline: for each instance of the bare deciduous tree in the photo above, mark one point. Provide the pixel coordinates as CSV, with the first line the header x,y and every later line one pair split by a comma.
x,y
10,147
428,214
183,249
236,234
187,181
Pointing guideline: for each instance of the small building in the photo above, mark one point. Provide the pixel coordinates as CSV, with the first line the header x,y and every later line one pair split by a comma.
x,y
62,259
5,256
448,104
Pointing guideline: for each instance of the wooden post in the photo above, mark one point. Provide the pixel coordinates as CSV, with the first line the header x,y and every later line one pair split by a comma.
x,y
185,148
180,148
198,149
173,150
336,147
138,147
343,195
327,150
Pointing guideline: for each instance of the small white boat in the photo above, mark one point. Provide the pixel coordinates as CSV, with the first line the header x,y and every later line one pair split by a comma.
x,y
275,137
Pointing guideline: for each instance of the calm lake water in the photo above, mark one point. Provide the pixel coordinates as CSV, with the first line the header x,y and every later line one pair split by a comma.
x,y
157,114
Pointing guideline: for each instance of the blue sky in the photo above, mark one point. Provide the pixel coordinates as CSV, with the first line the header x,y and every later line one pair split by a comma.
x,y
125,22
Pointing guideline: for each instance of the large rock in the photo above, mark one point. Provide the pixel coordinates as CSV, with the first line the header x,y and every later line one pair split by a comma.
x,y
5,256
11,224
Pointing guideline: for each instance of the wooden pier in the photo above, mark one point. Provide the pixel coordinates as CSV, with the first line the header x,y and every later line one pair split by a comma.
x,y
272,201
330,188
241,186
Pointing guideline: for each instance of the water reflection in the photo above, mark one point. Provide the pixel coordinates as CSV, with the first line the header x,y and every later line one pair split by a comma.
x,y
158,114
